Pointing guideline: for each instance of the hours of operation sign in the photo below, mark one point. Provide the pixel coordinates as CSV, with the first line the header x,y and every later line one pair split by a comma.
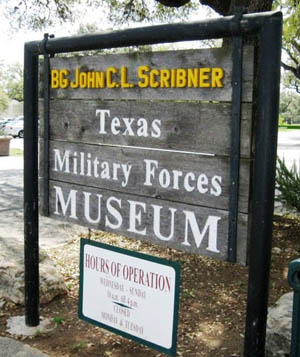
x,y
133,294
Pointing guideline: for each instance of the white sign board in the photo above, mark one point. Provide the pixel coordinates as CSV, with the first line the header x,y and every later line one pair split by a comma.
x,y
132,294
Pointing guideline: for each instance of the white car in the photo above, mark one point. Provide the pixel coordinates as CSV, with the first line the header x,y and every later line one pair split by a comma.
x,y
15,128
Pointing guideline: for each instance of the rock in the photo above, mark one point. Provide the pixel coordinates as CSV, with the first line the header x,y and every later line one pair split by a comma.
x,y
12,275
276,250
279,327
16,326
10,347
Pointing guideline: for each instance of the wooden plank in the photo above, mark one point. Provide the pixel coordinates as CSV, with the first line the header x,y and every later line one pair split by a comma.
x,y
194,229
196,127
186,178
201,58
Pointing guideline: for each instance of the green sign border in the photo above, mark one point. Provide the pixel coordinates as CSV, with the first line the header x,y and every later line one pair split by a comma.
x,y
174,265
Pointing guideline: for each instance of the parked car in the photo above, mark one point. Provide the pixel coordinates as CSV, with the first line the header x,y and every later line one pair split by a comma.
x,y
15,128
6,121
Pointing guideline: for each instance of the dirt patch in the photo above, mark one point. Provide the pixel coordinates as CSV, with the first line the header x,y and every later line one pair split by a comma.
x,y
213,298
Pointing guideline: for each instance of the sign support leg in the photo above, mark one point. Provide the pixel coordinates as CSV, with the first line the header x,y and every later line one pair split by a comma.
x,y
268,80
31,207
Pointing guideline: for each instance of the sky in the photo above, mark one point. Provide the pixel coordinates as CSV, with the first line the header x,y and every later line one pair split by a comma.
x,y
12,43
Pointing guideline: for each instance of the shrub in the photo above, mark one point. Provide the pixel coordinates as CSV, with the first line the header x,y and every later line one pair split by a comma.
x,y
288,184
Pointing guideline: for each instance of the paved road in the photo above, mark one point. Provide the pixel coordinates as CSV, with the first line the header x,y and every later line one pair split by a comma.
x,y
289,147
52,232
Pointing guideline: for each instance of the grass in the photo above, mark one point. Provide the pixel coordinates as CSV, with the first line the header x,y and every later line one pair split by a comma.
x,y
16,152
283,128
58,320
289,126
80,346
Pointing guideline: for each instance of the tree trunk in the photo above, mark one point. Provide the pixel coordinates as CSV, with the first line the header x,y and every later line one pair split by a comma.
x,y
226,7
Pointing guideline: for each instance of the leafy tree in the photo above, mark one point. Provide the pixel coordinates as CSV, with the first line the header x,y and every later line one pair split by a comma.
x,y
3,100
290,108
291,42
11,81
37,14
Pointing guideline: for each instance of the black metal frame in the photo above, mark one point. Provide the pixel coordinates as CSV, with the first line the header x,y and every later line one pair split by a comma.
x,y
267,26
236,82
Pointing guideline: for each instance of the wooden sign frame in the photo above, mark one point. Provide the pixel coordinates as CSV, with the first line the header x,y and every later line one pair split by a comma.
x,y
267,27
136,145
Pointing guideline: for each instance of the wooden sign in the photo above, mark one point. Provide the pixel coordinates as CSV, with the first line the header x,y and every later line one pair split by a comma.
x,y
140,145
132,294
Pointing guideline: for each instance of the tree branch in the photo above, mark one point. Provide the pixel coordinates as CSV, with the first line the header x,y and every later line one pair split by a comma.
x,y
294,59
287,67
296,45
295,71
220,6
173,3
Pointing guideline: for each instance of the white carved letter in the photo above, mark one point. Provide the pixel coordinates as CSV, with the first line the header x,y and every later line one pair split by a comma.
x,y
156,222
60,201
211,226
59,163
87,205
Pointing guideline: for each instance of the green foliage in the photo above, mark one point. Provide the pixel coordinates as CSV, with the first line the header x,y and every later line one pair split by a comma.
x,y
11,81
288,184
290,42
37,14
280,120
58,320
4,100
289,108
80,346
15,152
40,14
291,126
124,11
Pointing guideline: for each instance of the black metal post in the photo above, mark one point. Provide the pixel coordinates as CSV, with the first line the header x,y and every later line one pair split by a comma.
x,y
294,281
237,71
263,185
46,98
200,30
31,217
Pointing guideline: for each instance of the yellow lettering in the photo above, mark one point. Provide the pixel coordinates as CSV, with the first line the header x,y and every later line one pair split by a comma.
x,y
54,78
204,77
173,77
83,80
153,82
64,82
109,82
165,78
144,76
180,78
217,75
100,80
124,83
58,79
91,79
193,77
75,84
